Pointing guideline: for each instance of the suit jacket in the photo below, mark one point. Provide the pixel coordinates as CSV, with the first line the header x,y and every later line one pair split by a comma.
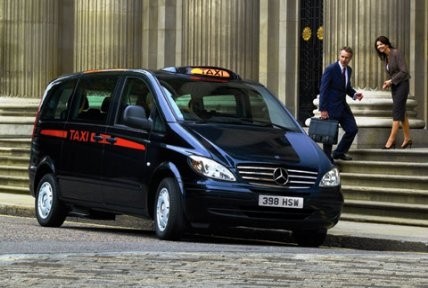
x,y
333,91
397,68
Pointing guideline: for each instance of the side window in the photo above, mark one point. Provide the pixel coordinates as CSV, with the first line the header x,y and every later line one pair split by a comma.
x,y
137,92
93,98
57,103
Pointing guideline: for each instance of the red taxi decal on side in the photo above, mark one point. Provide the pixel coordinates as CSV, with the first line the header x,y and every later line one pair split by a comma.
x,y
129,144
101,138
54,133
87,136
81,136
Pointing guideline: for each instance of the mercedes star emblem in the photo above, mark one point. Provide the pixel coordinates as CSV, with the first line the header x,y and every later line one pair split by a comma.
x,y
280,176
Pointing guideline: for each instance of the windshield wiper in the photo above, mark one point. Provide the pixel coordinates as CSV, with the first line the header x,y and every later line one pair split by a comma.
x,y
239,121
264,124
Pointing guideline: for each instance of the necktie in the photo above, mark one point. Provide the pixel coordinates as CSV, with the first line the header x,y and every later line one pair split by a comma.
x,y
344,75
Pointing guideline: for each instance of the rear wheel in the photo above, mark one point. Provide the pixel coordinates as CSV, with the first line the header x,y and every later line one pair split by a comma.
x,y
169,217
310,238
50,212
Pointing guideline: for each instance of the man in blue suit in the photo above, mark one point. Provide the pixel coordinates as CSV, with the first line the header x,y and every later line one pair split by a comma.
x,y
335,85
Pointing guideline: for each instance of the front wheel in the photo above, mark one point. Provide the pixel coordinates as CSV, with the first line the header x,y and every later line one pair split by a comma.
x,y
169,217
50,212
310,238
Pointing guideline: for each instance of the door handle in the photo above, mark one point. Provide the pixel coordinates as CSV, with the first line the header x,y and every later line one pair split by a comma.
x,y
111,140
98,138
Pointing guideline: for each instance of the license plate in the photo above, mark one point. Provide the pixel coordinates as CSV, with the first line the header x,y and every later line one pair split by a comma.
x,y
280,201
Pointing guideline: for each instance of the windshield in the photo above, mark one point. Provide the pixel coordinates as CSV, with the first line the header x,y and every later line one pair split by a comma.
x,y
232,102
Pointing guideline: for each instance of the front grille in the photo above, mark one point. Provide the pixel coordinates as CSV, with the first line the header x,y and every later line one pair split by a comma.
x,y
264,176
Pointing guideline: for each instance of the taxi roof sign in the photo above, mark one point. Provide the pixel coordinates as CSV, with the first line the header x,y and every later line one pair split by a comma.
x,y
209,71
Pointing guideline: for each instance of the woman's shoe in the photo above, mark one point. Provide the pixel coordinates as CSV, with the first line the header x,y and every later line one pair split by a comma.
x,y
392,146
407,144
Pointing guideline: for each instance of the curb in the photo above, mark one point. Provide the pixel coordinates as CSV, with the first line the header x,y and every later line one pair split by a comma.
x,y
336,239
13,210
121,220
371,244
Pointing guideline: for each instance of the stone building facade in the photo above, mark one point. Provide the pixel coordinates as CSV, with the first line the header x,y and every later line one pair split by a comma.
x,y
283,44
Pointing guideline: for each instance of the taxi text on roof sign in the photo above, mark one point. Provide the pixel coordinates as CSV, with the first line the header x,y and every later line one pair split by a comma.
x,y
215,72
209,71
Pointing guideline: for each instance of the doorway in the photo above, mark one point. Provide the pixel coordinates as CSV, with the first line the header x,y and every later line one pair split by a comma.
x,y
310,56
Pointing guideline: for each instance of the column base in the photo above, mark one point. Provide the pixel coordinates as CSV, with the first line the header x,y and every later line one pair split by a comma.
x,y
375,138
375,110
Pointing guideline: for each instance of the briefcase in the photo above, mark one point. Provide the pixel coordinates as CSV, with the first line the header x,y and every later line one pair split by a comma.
x,y
324,130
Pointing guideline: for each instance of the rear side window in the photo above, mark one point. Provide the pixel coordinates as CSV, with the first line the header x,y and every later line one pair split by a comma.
x,y
58,101
93,98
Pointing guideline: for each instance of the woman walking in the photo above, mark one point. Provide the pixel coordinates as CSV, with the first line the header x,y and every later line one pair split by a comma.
x,y
398,81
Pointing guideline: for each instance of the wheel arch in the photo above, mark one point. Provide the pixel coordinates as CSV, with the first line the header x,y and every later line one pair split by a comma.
x,y
166,169
46,166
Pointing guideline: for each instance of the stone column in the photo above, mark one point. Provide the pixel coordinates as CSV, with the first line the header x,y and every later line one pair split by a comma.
x,y
108,34
357,24
278,49
419,55
222,33
162,33
28,49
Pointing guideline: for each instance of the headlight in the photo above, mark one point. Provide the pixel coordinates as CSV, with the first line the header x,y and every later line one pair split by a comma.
x,y
331,178
210,168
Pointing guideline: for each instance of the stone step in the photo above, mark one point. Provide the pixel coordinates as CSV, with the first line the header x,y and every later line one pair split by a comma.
x,y
14,181
380,167
381,194
14,152
384,209
18,111
384,219
19,107
19,161
14,190
13,171
417,155
16,142
15,126
385,180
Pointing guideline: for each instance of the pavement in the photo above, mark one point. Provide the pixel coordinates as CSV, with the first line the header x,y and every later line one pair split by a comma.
x,y
346,234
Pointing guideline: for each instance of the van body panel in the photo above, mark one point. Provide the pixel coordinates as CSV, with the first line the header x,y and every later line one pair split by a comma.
x,y
246,143
233,150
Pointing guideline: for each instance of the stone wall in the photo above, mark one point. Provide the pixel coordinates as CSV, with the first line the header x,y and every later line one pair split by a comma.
x,y
42,39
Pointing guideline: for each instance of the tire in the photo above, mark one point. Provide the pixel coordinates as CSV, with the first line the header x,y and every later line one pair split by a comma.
x,y
50,212
168,216
310,238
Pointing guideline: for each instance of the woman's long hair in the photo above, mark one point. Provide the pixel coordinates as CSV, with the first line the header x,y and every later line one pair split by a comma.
x,y
384,40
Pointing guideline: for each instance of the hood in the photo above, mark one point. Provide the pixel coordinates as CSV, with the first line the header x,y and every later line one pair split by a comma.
x,y
246,143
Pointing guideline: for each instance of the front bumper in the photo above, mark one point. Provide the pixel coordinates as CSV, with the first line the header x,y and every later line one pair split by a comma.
x,y
238,206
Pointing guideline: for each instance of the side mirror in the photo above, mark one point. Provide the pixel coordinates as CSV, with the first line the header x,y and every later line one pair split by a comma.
x,y
135,117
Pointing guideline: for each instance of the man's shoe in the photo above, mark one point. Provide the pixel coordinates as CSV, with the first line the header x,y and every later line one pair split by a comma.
x,y
342,157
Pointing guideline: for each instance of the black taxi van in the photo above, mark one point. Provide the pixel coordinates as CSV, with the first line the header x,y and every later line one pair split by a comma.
x,y
189,147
